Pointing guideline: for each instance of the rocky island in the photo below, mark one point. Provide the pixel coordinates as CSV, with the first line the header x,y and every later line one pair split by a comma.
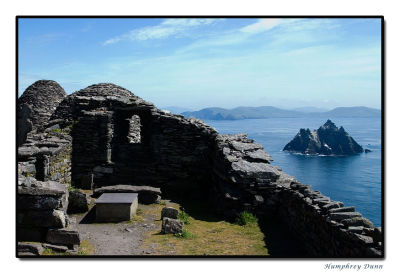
x,y
327,140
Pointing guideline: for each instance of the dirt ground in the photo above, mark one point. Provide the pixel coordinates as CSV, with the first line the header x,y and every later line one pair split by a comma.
x,y
124,238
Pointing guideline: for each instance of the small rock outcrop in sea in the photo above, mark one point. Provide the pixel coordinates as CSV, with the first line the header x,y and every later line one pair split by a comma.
x,y
327,140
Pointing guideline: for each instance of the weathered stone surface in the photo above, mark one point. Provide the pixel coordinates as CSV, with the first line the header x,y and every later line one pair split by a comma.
x,y
358,221
343,209
258,156
363,239
28,151
147,194
77,202
42,97
171,226
344,215
255,170
240,146
118,138
47,218
64,236
57,248
35,248
356,229
327,140
24,123
38,202
169,212
48,188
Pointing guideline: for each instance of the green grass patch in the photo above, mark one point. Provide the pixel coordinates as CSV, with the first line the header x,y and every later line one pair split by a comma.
x,y
184,217
184,235
246,218
206,234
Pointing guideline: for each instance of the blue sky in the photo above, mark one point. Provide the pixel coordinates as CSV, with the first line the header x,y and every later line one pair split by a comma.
x,y
197,62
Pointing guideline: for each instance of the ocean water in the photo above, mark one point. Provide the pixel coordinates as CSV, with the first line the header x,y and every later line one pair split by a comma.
x,y
354,180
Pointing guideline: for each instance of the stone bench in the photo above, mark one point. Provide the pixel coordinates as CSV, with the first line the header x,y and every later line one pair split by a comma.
x,y
115,207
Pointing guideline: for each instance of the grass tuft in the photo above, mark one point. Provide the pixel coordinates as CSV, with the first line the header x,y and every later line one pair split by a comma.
x,y
184,235
246,218
183,216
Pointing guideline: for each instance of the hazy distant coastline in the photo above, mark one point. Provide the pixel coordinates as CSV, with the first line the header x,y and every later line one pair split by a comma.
x,y
216,113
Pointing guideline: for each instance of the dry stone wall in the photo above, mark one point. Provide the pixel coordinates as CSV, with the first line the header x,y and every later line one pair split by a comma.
x,y
36,106
117,138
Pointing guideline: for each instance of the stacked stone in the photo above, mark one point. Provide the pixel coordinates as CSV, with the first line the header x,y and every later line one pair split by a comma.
x,y
36,105
40,206
119,138
170,222
100,96
183,148
92,136
240,168
46,157
326,227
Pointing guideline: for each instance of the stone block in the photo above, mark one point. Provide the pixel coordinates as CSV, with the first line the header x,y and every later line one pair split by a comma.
x,y
344,215
38,202
171,226
332,205
57,248
48,218
63,236
358,221
343,209
35,248
169,212
77,202
115,207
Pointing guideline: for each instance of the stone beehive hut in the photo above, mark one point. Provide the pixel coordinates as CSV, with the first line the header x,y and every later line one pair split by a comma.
x,y
36,105
118,138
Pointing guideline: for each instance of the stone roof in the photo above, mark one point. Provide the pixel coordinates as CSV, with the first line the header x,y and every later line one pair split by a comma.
x,y
104,90
42,97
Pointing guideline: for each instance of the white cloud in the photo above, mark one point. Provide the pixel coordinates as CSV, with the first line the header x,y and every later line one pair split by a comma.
x,y
167,28
261,25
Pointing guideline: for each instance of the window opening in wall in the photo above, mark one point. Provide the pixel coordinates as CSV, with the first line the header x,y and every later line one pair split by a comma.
x,y
134,133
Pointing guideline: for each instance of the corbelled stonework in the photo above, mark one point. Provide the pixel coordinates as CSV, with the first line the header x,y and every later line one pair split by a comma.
x,y
117,138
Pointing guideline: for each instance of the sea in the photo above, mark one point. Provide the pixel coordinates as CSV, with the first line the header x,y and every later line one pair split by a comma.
x,y
355,180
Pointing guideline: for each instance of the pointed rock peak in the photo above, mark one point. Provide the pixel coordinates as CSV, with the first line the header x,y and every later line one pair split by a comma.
x,y
329,125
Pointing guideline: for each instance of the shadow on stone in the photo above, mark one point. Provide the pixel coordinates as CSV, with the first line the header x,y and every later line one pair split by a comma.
x,y
197,206
279,240
90,217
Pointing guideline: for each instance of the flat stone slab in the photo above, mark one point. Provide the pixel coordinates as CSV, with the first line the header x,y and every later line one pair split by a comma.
x,y
147,194
117,198
115,207
48,188
125,189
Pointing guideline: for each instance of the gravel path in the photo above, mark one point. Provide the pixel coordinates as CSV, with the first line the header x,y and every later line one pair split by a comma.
x,y
120,239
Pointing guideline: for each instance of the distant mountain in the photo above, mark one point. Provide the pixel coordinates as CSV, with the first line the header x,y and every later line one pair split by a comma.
x,y
353,112
238,113
310,109
241,113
